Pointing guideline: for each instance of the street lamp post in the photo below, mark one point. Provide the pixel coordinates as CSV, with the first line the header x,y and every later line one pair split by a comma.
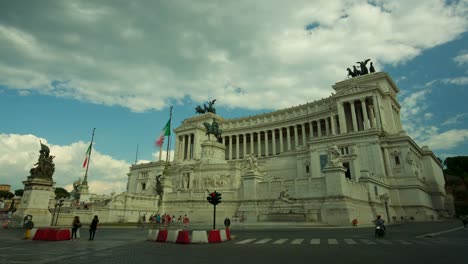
x,y
59,204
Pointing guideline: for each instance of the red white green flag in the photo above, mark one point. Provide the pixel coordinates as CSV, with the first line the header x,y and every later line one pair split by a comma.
x,y
165,132
88,152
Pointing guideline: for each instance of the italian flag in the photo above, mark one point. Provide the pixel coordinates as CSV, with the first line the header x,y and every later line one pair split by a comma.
x,y
88,152
165,132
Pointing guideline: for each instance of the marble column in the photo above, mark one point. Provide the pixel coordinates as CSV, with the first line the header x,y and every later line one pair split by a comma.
x,y
244,149
230,148
296,137
183,147
332,121
252,143
273,139
266,143
342,118
259,144
189,148
364,113
327,129
387,162
376,112
319,128
303,134
237,146
281,140
353,116
288,138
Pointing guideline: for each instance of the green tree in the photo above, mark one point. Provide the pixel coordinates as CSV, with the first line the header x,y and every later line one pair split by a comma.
x,y
19,192
6,195
61,193
457,166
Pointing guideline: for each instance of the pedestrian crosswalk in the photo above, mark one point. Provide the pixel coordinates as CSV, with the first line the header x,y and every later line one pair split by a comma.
x,y
335,241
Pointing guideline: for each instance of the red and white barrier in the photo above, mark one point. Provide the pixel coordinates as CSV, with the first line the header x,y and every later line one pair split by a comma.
x,y
199,237
172,235
152,234
162,236
52,234
183,237
214,236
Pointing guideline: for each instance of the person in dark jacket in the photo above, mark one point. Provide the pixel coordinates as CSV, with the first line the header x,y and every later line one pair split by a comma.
x,y
76,224
227,222
93,227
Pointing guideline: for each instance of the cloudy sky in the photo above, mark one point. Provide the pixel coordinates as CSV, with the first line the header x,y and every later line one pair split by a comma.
x,y
69,66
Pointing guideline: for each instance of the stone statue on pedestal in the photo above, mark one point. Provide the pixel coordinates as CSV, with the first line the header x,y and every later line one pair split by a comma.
x,y
213,128
45,166
334,156
251,164
159,187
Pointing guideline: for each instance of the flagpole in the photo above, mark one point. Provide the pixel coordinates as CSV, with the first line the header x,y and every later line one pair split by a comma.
x,y
169,138
136,156
85,180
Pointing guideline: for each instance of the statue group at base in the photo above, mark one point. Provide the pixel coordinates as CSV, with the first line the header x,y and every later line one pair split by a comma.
x,y
45,166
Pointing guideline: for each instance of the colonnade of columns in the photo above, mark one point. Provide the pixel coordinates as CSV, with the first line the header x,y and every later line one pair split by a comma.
x,y
185,146
274,141
355,115
358,115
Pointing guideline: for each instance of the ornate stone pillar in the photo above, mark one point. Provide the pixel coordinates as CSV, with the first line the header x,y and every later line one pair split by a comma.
x,y
332,121
244,139
237,146
281,140
319,128
311,129
376,111
370,108
327,130
364,113
230,148
353,117
296,137
183,146
342,118
189,146
266,143
273,140
387,161
252,143
288,138
259,143
303,135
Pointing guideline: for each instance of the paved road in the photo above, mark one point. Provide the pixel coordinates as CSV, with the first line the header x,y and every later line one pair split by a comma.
x,y
404,244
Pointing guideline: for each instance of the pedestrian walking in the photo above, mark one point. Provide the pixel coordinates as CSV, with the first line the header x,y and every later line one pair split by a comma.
x,y
93,227
227,222
76,224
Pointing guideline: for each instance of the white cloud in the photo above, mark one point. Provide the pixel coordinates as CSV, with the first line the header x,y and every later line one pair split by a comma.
x,y
455,119
445,140
19,153
462,58
167,51
457,81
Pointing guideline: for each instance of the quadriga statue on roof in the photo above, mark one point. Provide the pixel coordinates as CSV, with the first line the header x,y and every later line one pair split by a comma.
x,y
206,109
45,166
362,69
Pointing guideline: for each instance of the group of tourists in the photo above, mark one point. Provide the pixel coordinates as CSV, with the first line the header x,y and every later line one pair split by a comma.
x,y
166,219
76,225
